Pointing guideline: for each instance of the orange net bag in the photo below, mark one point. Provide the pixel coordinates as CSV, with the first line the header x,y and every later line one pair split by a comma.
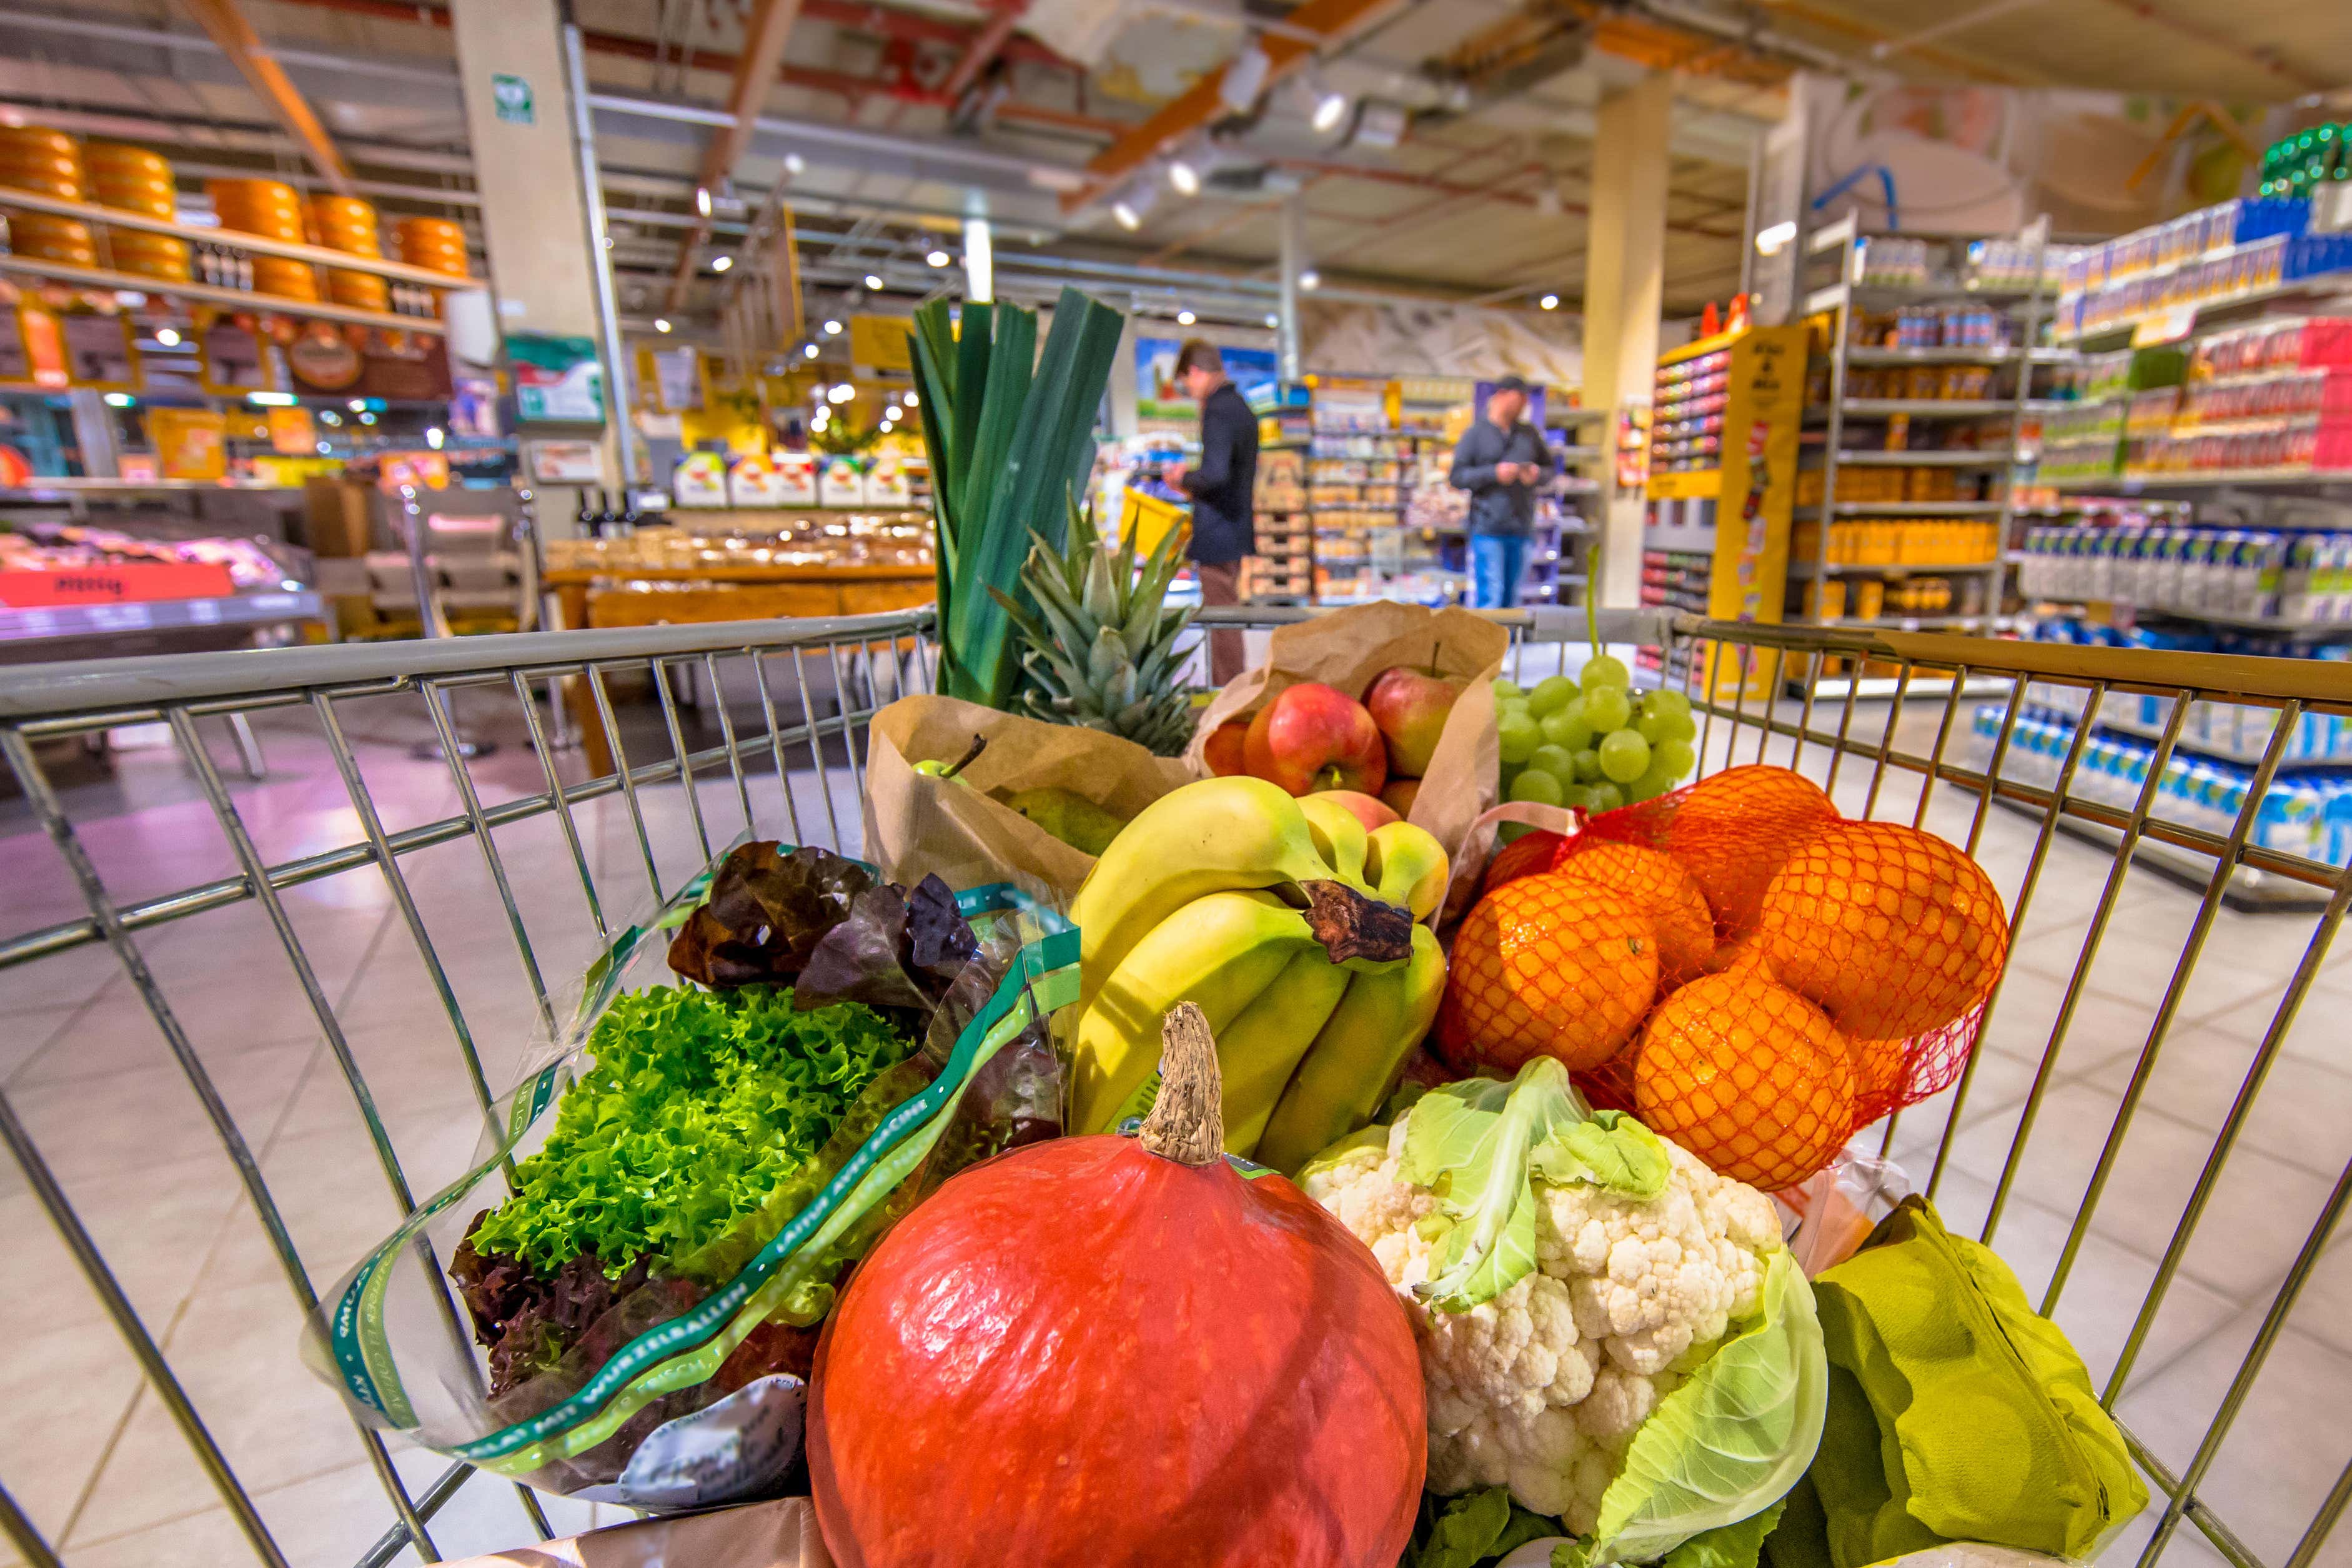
x,y
1813,974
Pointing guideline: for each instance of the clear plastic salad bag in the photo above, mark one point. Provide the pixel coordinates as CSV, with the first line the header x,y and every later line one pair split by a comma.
x,y
674,1379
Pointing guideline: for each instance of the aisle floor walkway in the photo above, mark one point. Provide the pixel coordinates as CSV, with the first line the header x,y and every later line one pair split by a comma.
x,y
97,1462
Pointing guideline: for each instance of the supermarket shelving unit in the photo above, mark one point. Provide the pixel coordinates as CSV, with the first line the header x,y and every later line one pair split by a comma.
x,y
2027,307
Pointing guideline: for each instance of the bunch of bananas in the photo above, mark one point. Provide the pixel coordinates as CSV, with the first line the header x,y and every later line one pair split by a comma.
x,y
1295,933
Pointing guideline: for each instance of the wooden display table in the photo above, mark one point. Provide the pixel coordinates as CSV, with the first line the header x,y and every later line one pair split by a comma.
x,y
607,595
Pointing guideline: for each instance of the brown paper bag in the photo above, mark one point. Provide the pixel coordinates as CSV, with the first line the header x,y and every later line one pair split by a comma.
x,y
780,1534
917,824
1347,648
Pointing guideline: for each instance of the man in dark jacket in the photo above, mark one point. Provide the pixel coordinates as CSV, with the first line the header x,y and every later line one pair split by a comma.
x,y
1500,460
1221,488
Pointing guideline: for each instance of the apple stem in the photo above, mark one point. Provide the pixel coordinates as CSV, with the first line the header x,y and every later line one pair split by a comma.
x,y
971,754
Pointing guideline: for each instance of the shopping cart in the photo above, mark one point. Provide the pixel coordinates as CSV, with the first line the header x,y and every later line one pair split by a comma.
x,y
2183,1292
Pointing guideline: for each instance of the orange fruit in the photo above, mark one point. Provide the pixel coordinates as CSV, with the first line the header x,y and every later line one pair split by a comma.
x,y
1880,1068
1749,1076
1547,967
1741,953
1523,856
1661,889
1732,830
1893,931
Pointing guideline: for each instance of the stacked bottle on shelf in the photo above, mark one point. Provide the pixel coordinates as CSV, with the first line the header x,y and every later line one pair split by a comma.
x,y
2297,165
2217,253
2296,577
1687,413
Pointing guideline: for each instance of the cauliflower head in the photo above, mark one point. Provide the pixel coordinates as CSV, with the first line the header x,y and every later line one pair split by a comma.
x,y
1541,1387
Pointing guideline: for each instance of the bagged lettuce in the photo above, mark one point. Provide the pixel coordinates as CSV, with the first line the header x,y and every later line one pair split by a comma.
x,y
644,1251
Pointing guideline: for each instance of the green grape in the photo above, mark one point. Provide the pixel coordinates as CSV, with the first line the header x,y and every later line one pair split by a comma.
x,y
1506,831
1558,760
1625,755
1646,787
1601,670
1551,694
1508,776
1504,691
1538,786
1576,797
1657,727
1566,728
1663,700
1606,708
1672,760
1587,766
1603,796
1518,737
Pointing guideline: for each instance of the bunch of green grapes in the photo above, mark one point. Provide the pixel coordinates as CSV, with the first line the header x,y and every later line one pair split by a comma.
x,y
1593,741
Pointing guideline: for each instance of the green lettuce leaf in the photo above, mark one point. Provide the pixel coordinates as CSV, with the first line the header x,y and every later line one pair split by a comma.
x,y
1478,1145
1724,1446
1476,1526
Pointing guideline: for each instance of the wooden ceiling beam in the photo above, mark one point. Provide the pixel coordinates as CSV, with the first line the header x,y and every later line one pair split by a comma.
x,y
756,68
228,27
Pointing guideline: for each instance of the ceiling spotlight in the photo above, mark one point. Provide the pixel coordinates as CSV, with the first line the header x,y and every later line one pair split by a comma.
x,y
937,259
1185,318
794,162
910,400
842,393
1772,240
1330,108
1310,278
661,323
1244,78
1184,176
1124,211
721,263
1272,319
808,351
168,336
1549,303
833,329
874,281
702,200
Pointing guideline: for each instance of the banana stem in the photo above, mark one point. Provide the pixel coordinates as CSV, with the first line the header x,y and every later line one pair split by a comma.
x,y
1187,1123
1351,926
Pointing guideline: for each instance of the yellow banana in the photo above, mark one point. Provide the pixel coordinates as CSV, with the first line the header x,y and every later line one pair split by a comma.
x,y
1222,835
1406,865
1340,836
1347,1072
1258,1050
1220,952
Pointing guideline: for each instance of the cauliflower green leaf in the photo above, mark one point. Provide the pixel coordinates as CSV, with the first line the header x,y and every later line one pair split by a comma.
x,y
1726,1446
1478,1145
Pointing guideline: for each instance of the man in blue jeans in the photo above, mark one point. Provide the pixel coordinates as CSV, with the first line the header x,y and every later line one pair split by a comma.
x,y
1500,460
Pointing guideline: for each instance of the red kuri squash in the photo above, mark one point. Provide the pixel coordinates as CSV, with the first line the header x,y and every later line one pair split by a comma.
x,y
1108,1352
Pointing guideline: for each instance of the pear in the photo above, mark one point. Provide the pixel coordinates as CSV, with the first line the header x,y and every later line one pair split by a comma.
x,y
1070,817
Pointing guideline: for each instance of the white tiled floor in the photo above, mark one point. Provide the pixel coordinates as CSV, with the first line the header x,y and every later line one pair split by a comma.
x,y
96,1461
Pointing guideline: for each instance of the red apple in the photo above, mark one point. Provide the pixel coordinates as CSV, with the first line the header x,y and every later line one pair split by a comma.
x,y
1223,753
1410,707
1398,796
1315,737
1367,809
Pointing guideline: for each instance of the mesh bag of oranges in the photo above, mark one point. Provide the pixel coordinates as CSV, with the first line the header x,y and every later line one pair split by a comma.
x,y
1752,975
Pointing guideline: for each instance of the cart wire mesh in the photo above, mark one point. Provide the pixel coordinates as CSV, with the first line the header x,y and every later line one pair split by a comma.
x,y
2145,1198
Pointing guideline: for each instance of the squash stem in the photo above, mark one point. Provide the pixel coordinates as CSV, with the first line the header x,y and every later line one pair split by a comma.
x,y
1187,1122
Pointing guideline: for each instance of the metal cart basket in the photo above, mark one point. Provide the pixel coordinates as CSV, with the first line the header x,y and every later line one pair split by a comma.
x,y
2156,1130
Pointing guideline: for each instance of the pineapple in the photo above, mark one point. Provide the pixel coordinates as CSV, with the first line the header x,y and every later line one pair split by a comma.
x,y
1101,649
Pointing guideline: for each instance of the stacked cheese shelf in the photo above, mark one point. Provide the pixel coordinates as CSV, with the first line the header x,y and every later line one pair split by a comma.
x,y
1924,395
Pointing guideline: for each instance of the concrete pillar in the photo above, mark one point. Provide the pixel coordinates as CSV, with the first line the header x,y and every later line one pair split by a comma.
x,y
545,260
1625,271
1293,222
